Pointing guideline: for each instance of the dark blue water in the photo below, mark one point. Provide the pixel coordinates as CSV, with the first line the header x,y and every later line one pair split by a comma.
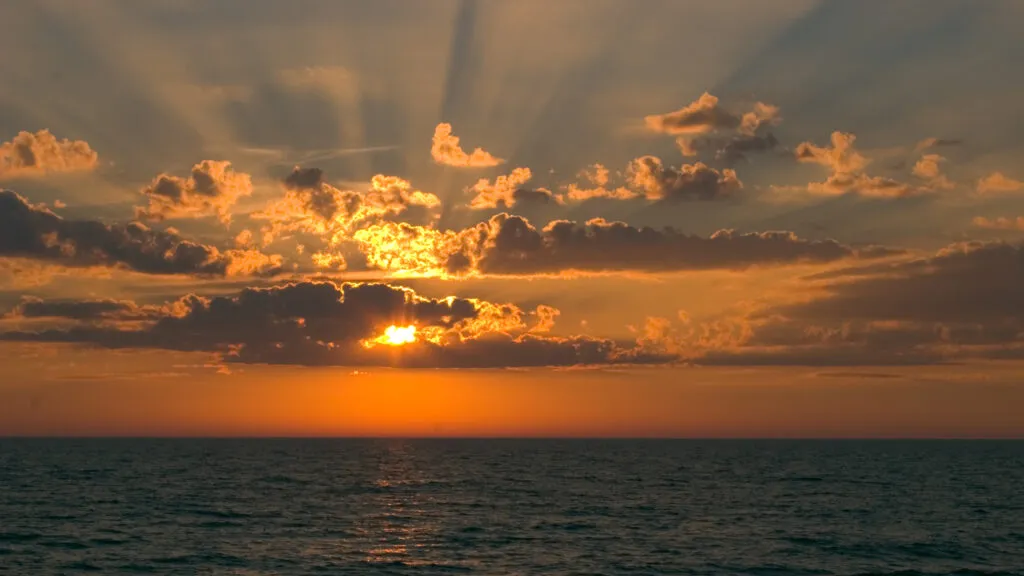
x,y
510,507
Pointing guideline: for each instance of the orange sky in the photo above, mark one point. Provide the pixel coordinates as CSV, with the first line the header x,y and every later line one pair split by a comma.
x,y
189,400
511,218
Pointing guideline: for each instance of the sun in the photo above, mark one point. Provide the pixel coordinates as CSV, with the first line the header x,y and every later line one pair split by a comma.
x,y
398,335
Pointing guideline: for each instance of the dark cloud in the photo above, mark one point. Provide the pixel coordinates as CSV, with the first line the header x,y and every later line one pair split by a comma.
x,y
515,246
690,182
304,178
963,302
821,356
34,232
870,375
736,149
971,282
928,143
322,323
79,309
730,150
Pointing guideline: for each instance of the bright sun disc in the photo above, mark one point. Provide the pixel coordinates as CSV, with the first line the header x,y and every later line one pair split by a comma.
x,y
399,335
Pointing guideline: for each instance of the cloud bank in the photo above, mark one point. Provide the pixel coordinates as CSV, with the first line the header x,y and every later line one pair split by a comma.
x,y
328,324
34,232
510,245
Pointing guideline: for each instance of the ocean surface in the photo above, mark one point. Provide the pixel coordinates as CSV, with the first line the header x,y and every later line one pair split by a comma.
x,y
494,507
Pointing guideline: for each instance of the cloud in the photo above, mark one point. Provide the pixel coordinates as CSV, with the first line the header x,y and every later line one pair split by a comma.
x,y
212,189
737,148
847,165
648,177
323,323
728,150
971,287
29,154
447,151
510,245
998,182
999,223
707,115
962,302
311,205
841,157
597,179
928,166
34,232
929,143
862,184
690,182
762,115
31,307
507,191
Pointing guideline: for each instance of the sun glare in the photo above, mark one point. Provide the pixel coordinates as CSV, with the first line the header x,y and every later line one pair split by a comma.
x,y
398,335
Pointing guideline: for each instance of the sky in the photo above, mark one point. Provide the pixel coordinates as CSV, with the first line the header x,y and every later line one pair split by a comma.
x,y
651,218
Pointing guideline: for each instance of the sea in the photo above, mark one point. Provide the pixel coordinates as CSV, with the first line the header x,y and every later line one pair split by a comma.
x,y
523,507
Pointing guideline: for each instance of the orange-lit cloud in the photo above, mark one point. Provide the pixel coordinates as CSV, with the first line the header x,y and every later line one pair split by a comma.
x,y
998,182
693,340
313,206
999,223
841,157
507,190
706,115
597,186
329,260
928,168
847,165
212,189
34,154
29,231
446,150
